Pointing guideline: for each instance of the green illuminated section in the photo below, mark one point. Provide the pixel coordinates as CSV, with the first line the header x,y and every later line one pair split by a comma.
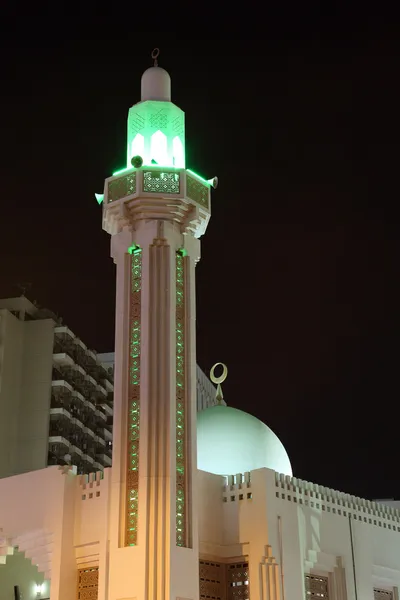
x,y
156,132
122,170
134,249
137,148
132,477
199,177
181,517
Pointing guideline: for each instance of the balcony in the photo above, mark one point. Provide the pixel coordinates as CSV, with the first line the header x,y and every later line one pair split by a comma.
x,y
144,192
62,359
104,459
107,385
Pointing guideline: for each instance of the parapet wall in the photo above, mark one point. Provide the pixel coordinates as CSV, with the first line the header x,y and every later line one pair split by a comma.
x,y
90,485
238,487
325,499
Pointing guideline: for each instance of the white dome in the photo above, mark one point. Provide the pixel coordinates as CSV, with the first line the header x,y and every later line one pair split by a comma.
x,y
230,441
156,85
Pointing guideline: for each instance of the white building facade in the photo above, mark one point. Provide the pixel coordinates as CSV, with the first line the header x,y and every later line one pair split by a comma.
x,y
195,505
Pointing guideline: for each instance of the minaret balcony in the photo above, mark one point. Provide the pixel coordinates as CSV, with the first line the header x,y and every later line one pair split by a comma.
x,y
155,192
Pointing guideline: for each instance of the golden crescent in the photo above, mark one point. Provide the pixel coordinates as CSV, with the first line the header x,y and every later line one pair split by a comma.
x,y
222,377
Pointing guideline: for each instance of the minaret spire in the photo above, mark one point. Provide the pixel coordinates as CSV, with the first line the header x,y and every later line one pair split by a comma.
x,y
155,211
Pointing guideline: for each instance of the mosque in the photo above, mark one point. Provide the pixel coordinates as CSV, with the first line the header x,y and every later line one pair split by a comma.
x,y
194,506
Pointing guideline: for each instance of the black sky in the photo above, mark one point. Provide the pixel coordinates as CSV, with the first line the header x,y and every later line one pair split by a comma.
x,y
297,289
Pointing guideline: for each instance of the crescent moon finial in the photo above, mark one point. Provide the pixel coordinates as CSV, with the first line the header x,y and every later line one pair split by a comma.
x,y
218,380
155,55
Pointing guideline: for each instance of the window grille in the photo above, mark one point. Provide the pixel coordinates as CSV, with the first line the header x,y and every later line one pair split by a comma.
x,y
316,587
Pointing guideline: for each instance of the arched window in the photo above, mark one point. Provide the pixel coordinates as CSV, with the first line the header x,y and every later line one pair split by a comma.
x,y
159,149
137,147
178,153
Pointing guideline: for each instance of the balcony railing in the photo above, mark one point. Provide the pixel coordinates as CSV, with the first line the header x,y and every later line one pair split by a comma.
x,y
156,181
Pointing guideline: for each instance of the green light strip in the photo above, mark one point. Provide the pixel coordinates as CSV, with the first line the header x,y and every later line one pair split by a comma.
x,y
181,534
132,479
199,177
122,171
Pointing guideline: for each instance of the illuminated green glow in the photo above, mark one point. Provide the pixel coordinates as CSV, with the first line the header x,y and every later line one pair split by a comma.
x,y
199,177
159,148
134,249
156,130
99,198
132,506
178,153
122,171
137,147
181,434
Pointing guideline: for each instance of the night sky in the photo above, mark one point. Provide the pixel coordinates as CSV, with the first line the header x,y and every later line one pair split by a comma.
x,y
297,288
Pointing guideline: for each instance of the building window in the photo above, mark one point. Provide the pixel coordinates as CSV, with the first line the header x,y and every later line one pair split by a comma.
x,y
382,594
316,586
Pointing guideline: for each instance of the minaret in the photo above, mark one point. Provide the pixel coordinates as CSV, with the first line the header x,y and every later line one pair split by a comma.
x,y
155,211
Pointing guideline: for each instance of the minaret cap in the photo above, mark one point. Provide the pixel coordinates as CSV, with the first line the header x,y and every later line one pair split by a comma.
x,y
156,82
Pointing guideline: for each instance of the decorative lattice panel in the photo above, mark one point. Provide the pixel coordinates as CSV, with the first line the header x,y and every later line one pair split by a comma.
x,y
181,406
88,584
159,119
316,586
121,187
133,419
383,594
212,580
224,581
237,575
161,182
197,191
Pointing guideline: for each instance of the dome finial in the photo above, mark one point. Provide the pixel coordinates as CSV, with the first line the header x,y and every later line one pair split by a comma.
x,y
218,380
154,55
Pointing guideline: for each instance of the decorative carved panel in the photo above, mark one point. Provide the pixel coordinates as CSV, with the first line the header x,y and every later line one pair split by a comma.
x,y
238,581
212,580
316,587
121,187
181,407
88,583
133,417
161,182
197,191
224,581
383,594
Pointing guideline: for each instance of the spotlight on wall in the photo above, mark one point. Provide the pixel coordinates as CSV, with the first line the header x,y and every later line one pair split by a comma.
x,y
213,182
39,589
136,161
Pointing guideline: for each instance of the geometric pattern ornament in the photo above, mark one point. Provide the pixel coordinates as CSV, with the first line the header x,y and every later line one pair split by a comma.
x,y
197,191
181,407
88,583
382,594
224,581
316,586
121,187
238,581
161,182
133,417
212,580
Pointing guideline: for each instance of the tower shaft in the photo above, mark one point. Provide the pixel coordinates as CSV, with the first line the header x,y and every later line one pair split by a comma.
x,y
155,214
154,547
